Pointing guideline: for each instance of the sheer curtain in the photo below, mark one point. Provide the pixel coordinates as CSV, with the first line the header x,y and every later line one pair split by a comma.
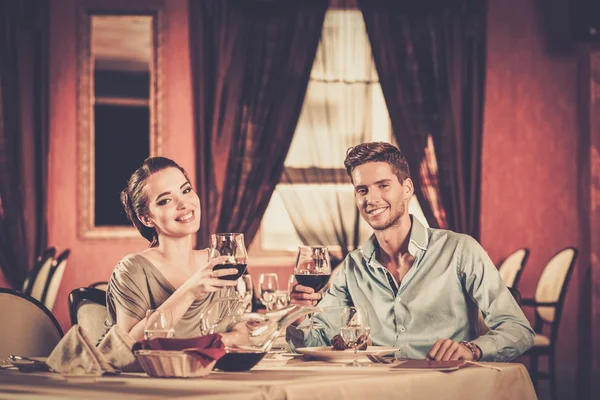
x,y
344,106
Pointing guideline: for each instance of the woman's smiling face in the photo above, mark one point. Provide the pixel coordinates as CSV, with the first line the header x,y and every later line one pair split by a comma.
x,y
174,207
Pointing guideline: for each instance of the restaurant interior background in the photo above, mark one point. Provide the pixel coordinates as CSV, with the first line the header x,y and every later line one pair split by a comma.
x,y
540,165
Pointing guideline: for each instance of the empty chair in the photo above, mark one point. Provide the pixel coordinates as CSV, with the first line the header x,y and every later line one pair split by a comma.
x,y
99,285
36,282
54,279
44,259
549,300
28,328
511,269
87,308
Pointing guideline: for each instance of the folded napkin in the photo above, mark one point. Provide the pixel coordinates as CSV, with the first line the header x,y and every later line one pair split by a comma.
x,y
205,349
116,347
75,355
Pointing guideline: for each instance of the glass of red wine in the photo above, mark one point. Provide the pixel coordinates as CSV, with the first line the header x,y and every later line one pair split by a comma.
x,y
312,269
230,245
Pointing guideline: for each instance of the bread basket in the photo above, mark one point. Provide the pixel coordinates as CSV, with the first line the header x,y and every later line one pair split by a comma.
x,y
172,364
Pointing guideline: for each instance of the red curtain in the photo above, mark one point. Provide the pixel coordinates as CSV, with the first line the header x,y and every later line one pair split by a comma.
x,y
23,135
430,57
251,61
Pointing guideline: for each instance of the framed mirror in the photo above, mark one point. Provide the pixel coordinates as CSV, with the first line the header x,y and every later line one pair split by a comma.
x,y
119,96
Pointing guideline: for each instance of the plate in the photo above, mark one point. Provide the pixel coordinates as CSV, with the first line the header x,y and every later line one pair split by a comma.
x,y
327,353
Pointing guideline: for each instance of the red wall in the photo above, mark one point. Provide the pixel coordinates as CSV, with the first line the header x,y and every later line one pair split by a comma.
x,y
529,187
94,260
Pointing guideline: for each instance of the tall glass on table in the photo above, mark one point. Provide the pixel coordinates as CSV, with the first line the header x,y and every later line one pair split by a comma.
x,y
232,246
313,269
268,285
354,330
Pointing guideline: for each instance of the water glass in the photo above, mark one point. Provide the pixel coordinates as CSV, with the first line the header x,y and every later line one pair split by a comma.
x,y
159,324
354,330
268,284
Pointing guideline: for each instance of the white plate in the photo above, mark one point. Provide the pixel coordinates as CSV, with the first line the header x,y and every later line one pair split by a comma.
x,y
329,354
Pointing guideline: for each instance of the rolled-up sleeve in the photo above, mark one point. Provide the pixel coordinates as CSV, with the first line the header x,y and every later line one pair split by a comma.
x,y
510,332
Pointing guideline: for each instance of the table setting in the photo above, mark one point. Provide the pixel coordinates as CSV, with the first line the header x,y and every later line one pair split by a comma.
x,y
261,365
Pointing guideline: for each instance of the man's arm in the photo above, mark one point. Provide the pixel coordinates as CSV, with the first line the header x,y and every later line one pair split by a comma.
x,y
511,334
328,321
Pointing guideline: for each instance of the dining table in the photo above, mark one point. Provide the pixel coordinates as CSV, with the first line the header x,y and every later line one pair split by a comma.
x,y
282,378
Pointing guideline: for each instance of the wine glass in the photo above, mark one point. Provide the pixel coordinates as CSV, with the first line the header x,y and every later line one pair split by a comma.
x,y
245,291
268,284
354,330
281,299
312,269
232,246
159,324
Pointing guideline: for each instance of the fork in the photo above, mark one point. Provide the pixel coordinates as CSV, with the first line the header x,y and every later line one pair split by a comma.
x,y
378,359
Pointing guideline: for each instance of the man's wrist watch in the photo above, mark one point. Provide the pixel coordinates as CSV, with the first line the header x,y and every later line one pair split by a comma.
x,y
474,349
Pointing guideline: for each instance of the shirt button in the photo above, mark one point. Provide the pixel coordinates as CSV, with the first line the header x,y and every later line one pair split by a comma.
x,y
402,329
398,299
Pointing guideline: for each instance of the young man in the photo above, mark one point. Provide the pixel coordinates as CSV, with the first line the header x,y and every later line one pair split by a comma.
x,y
422,288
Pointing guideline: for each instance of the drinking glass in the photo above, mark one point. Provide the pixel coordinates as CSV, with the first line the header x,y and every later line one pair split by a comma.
x,y
232,246
159,324
312,269
268,284
245,291
354,330
281,299
290,288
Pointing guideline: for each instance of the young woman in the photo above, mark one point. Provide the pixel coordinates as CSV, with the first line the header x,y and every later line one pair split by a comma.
x,y
161,203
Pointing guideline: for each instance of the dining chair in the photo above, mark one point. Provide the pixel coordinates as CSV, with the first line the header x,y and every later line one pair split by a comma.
x,y
87,308
548,303
28,328
37,281
102,285
54,279
512,267
44,259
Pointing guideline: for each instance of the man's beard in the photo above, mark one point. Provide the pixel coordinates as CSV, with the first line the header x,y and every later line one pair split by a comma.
x,y
393,220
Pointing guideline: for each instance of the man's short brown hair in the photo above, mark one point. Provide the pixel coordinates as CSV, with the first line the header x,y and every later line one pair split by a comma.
x,y
377,152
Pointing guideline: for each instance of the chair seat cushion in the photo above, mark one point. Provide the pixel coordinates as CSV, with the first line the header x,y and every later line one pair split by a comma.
x,y
541,340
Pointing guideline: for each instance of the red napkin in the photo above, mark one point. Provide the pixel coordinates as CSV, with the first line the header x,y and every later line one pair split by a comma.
x,y
205,348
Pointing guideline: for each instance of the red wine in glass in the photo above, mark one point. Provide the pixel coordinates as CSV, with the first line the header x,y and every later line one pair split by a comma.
x,y
230,245
315,281
241,268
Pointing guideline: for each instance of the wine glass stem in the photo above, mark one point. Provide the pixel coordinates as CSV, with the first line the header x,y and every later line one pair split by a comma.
x,y
355,354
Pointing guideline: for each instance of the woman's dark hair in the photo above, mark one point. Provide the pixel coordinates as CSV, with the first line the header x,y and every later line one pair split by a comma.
x,y
374,152
134,199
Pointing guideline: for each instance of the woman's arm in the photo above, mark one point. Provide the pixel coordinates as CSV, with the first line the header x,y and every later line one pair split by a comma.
x,y
198,285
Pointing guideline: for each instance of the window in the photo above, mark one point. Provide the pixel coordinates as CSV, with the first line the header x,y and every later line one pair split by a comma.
x,y
343,106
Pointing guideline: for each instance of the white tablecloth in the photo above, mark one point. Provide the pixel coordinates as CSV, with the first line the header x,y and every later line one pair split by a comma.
x,y
270,380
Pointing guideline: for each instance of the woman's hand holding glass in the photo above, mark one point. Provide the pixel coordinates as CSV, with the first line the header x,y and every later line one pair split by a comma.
x,y
206,280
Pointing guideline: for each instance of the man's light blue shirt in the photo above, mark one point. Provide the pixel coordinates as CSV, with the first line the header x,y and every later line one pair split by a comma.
x,y
451,279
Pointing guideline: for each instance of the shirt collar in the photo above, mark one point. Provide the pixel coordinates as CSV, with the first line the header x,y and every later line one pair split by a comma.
x,y
419,239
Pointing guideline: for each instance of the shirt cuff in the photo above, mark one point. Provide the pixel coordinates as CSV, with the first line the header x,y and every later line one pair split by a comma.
x,y
488,348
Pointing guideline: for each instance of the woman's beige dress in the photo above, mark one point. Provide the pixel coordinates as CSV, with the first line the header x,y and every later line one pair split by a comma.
x,y
136,286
